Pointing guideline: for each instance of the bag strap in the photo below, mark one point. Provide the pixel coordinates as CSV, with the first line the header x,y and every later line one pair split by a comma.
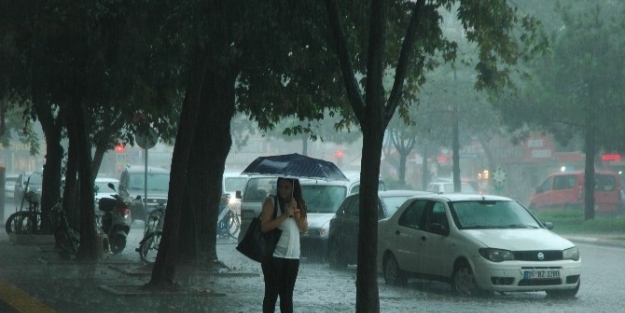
x,y
275,208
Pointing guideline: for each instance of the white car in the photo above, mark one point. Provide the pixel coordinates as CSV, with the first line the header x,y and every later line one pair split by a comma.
x,y
448,187
478,243
9,186
102,189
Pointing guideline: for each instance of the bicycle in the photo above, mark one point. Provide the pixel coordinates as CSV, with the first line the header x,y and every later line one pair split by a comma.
x,y
25,221
228,221
153,231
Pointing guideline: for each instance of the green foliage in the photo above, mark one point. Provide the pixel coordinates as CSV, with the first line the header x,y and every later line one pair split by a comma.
x,y
573,222
579,85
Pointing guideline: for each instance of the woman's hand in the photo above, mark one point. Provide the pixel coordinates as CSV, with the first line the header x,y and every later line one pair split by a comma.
x,y
292,208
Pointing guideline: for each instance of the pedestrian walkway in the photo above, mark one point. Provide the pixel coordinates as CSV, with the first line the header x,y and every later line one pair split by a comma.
x,y
34,279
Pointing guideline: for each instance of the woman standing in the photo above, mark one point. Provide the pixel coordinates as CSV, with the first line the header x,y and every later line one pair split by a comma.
x,y
280,272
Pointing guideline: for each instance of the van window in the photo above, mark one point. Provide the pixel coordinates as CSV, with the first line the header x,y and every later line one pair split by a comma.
x,y
234,183
546,185
564,182
605,182
258,188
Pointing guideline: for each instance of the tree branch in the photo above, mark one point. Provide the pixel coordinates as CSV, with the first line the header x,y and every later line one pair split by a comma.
x,y
402,64
339,41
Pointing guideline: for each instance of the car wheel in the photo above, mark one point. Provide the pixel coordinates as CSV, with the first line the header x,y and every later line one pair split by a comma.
x,y
393,275
565,293
335,256
463,281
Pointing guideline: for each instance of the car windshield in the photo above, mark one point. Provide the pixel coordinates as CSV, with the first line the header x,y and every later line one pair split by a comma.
x,y
157,182
491,214
323,198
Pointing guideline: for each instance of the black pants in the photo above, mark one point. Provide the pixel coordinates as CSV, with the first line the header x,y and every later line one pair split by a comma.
x,y
280,275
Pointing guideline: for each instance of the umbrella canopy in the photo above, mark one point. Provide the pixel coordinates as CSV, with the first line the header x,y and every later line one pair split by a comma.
x,y
294,165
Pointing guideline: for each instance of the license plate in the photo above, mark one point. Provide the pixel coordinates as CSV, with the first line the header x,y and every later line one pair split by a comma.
x,y
541,274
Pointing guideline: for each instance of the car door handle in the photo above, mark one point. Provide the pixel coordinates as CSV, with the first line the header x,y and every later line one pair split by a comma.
x,y
397,232
423,238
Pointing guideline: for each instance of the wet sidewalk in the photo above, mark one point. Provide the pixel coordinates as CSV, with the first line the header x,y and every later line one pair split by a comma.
x,y
33,279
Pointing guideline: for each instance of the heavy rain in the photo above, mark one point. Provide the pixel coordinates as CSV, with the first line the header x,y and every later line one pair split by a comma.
x,y
440,156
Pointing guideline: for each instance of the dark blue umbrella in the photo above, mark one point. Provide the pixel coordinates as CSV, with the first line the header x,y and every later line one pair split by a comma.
x,y
294,165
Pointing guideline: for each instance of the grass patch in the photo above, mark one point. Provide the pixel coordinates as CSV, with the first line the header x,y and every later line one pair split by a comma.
x,y
573,222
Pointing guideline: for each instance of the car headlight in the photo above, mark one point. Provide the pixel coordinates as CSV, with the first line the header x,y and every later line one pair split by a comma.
x,y
496,255
325,229
571,254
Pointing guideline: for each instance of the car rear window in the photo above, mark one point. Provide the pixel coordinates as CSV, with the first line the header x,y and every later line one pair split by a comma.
x,y
323,198
605,182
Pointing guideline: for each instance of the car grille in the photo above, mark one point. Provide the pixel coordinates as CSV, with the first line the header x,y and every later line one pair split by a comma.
x,y
535,255
155,202
312,233
540,282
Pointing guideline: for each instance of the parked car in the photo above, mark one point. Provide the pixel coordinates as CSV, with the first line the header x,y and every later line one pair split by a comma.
x,y
478,243
27,181
322,198
9,186
343,234
565,190
233,181
100,186
448,187
132,186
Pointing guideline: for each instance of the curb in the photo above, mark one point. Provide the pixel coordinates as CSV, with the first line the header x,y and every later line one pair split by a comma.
x,y
138,290
597,241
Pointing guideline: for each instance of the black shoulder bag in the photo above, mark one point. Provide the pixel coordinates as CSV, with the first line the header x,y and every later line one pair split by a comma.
x,y
257,245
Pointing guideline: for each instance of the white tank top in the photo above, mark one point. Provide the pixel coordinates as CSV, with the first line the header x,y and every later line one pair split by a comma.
x,y
288,246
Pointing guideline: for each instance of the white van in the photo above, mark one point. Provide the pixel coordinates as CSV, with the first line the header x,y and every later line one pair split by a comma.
x,y
323,199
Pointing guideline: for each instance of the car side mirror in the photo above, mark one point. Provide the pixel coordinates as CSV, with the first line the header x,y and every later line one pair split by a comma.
x,y
539,190
548,225
238,194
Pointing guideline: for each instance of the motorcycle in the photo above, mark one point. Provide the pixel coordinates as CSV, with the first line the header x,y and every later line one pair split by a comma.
x,y
115,221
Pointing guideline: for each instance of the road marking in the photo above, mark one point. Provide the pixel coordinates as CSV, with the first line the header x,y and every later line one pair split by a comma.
x,y
20,300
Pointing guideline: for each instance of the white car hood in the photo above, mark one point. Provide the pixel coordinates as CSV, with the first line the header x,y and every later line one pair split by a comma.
x,y
519,239
316,220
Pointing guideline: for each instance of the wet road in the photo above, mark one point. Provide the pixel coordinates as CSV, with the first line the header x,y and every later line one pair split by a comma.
x,y
318,288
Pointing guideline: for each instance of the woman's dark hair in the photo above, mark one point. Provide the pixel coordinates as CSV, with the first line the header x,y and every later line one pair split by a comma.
x,y
297,193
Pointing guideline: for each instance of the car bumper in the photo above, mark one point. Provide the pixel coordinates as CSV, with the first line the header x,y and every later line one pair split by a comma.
x,y
513,275
314,247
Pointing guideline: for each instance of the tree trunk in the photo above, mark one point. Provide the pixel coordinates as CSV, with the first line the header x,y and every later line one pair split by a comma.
x,y
304,145
220,140
50,193
373,126
456,151
164,270
212,142
589,182
425,171
98,155
80,143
